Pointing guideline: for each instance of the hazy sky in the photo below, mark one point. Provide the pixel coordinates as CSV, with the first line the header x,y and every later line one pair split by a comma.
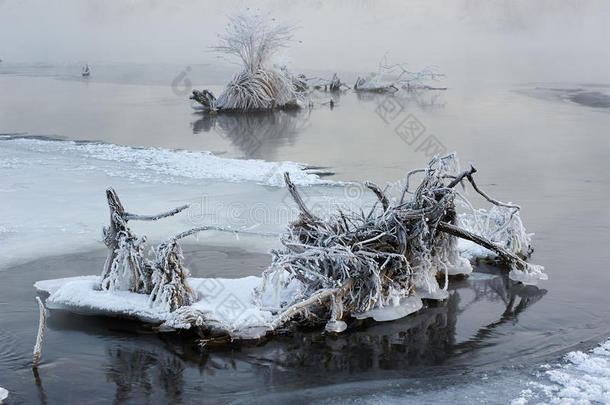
x,y
532,40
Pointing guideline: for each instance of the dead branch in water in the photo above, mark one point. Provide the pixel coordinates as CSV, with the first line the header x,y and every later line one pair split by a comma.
x,y
333,84
126,268
42,326
378,259
390,78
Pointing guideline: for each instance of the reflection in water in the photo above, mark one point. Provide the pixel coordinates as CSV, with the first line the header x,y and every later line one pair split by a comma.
x,y
255,134
421,98
41,394
516,299
428,337
146,372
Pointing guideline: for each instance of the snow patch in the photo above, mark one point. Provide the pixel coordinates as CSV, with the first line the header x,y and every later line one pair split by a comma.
x,y
533,274
226,304
175,163
583,378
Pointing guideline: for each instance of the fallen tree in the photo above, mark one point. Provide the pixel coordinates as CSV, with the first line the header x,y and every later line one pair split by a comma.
x,y
379,264
390,78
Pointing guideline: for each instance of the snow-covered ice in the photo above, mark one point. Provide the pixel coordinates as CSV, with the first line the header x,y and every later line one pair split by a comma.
x,y
223,303
226,304
582,378
163,162
54,192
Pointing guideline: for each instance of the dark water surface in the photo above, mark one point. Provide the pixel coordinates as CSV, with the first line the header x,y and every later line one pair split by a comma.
x,y
101,360
541,151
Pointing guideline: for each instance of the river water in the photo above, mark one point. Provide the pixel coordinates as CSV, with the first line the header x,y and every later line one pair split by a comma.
x,y
541,145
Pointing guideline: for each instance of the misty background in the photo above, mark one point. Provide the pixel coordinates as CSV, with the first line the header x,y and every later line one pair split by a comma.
x,y
469,40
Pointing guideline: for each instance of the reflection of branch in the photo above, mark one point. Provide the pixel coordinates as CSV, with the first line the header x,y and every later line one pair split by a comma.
x,y
140,368
528,295
423,100
41,393
248,132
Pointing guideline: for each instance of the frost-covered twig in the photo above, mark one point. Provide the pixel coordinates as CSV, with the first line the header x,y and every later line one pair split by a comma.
x,y
42,325
253,38
222,229
126,268
300,306
389,78
128,217
332,84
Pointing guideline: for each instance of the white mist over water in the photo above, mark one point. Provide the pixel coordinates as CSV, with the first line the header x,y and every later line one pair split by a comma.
x,y
469,40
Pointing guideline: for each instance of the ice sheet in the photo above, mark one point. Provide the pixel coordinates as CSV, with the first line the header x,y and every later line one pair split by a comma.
x,y
226,302
166,162
54,193
223,303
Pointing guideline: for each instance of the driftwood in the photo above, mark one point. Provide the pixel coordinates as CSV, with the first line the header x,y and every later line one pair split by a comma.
x,y
333,84
42,326
351,263
344,265
390,78
163,277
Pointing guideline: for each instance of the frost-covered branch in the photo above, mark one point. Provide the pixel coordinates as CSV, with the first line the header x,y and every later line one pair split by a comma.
x,y
222,229
390,77
128,216
331,268
332,84
385,256
42,326
168,278
126,268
